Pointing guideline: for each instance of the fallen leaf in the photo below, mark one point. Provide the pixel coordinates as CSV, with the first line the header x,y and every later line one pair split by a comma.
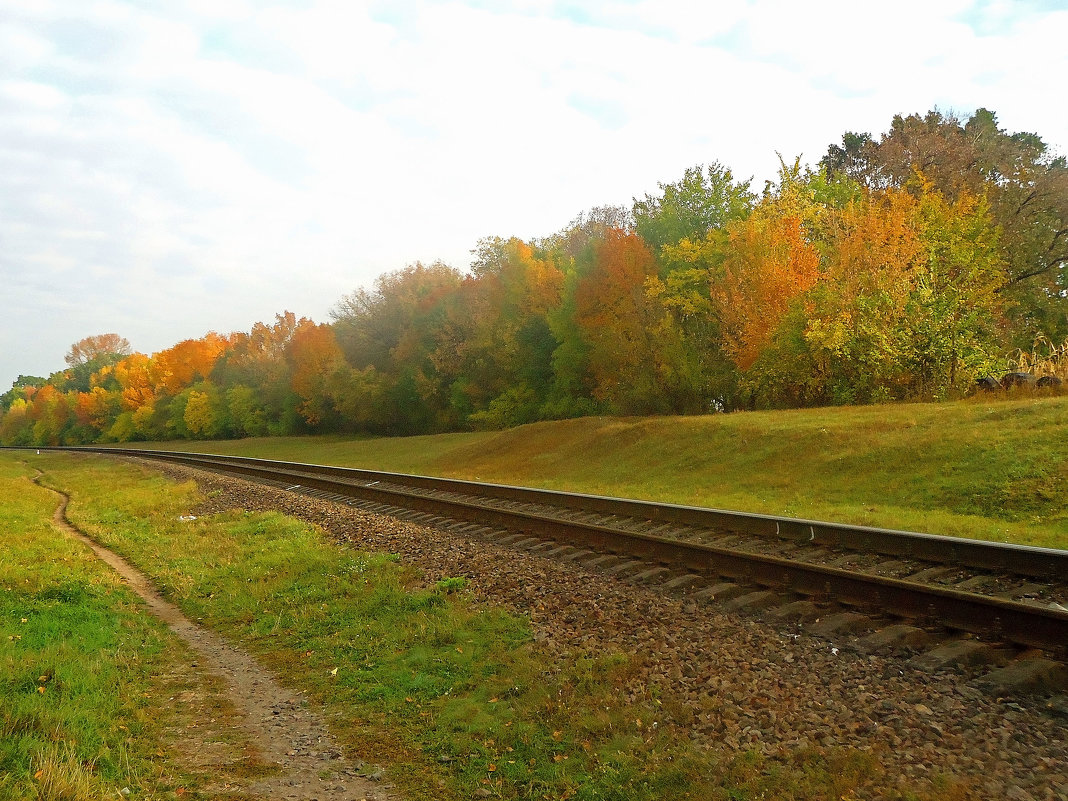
x,y
40,690
491,768
38,774
333,672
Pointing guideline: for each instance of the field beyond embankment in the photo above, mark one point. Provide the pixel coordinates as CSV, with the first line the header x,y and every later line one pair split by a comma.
x,y
989,468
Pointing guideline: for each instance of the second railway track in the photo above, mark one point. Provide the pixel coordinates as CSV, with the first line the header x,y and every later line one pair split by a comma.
x,y
1001,594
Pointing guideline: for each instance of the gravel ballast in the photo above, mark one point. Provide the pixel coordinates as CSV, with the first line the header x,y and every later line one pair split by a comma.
x,y
741,684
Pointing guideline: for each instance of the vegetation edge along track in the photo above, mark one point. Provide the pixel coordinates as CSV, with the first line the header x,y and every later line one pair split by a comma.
x,y
1000,619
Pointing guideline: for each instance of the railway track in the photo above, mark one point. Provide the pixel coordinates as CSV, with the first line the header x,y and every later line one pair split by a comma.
x,y
962,600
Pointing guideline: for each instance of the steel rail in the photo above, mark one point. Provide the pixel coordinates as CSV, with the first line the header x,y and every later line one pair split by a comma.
x,y
997,618
1024,560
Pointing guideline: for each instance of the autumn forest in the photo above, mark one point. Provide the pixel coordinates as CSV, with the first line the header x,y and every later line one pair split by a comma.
x,y
902,267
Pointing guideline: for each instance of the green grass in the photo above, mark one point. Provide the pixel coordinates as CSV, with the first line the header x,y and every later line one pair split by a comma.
x,y
455,697
988,468
77,660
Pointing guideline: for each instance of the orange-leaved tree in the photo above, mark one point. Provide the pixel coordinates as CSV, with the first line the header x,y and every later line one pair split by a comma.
x,y
314,357
617,319
181,365
138,380
770,261
854,329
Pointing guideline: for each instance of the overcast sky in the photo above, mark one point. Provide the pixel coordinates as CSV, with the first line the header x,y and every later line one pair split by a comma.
x,y
169,168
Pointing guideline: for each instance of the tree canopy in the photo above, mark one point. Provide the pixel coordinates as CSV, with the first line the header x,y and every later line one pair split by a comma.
x,y
903,267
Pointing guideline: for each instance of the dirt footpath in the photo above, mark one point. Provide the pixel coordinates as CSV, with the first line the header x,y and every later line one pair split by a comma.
x,y
280,728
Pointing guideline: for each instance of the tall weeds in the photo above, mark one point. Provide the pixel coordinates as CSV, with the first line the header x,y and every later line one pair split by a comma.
x,y
1045,359
59,775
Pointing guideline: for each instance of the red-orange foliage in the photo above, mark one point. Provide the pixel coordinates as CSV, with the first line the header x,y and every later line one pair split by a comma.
x,y
770,261
50,411
95,408
616,316
179,366
138,378
314,355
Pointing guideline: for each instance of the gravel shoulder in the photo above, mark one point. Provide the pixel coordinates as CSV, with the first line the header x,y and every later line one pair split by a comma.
x,y
727,682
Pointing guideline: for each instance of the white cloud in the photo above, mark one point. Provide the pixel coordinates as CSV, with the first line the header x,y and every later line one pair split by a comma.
x,y
203,166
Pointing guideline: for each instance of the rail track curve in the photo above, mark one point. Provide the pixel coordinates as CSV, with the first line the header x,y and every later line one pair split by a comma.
x,y
997,592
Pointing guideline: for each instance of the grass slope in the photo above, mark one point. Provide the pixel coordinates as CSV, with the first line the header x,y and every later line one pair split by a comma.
x,y
989,468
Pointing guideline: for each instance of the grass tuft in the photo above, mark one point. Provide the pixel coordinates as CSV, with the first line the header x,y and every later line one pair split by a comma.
x,y
60,775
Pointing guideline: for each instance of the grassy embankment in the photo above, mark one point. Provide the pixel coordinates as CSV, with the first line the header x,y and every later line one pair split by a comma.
x,y
454,697
990,468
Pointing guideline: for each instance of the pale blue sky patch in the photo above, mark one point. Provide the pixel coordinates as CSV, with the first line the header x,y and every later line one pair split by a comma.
x,y
841,85
577,12
734,39
749,40
993,18
85,40
361,95
411,126
249,47
67,78
401,15
218,117
607,113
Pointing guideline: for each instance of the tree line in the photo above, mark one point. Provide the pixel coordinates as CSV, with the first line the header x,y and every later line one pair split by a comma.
x,y
898,268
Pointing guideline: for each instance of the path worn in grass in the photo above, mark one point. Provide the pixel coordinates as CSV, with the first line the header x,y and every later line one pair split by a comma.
x,y
277,722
